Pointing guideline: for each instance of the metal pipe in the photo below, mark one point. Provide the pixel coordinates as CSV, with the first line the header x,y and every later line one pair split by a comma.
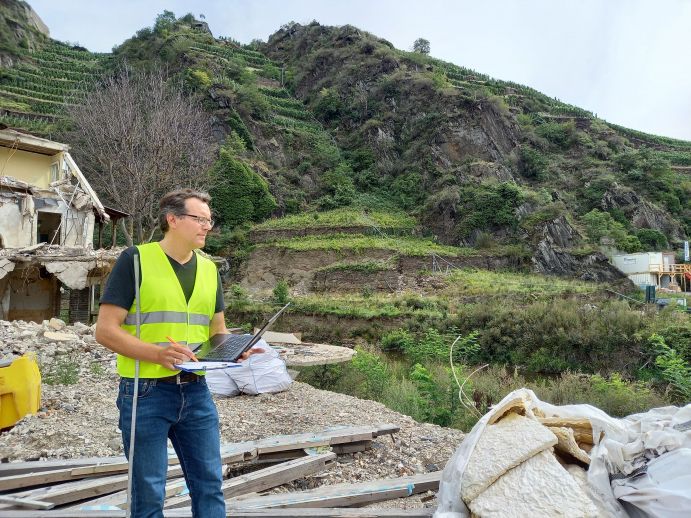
x,y
133,423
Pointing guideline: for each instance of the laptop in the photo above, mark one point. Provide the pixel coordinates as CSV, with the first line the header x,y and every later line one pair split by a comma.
x,y
227,347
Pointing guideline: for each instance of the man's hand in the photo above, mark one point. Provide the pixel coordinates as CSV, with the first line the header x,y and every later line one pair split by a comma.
x,y
247,354
175,353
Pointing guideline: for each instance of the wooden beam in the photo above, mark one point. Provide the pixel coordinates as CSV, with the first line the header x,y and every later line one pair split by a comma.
x,y
295,512
232,452
61,475
353,447
22,468
344,495
236,486
25,502
338,435
265,478
84,489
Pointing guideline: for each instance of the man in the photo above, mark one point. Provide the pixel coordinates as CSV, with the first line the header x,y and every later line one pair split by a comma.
x,y
181,303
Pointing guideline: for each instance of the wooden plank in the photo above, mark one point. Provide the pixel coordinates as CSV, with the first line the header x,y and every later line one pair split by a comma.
x,y
84,489
119,499
14,482
34,466
343,495
172,489
265,478
353,447
295,512
47,477
25,502
233,452
386,429
328,437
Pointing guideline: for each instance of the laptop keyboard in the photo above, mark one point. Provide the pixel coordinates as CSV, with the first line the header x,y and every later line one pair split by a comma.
x,y
230,350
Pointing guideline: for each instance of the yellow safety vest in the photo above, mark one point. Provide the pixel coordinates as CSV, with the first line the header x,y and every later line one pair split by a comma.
x,y
164,310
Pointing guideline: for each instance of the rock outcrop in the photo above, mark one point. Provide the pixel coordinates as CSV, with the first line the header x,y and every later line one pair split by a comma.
x,y
553,255
641,212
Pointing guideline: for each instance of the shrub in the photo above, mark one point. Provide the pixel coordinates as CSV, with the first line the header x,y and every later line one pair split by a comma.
x,y
239,194
281,292
652,239
397,340
487,206
197,79
375,373
561,135
601,224
671,368
328,106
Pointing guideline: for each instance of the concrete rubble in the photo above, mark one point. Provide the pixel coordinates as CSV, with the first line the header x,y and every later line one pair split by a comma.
x,y
79,419
71,265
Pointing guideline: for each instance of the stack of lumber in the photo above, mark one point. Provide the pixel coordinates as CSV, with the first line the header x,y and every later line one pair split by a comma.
x,y
96,487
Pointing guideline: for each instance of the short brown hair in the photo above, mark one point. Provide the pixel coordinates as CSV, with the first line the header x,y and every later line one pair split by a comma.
x,y
174,203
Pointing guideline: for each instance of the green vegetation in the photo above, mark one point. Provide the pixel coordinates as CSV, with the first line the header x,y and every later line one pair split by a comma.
x,y
281,292
357,243
362,266
49,77
239,194
601,224
63,370
346,217
427,390
469,283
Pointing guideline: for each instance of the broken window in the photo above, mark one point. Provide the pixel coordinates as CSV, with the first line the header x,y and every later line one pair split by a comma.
x,y
48,228
54,172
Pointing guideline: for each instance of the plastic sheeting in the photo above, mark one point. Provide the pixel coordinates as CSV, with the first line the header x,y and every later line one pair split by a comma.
x,y
621,447
258,374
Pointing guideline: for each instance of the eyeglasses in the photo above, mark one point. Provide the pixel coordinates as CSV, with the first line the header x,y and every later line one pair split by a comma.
x,y
204,222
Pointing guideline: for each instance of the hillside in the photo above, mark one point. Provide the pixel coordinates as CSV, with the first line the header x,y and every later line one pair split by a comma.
x,y
401,203
330,117
444,142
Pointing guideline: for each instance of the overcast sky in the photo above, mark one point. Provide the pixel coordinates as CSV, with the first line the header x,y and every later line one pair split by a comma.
x,y
627,61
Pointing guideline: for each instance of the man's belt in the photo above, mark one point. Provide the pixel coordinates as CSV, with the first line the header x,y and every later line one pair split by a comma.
x,y
180,378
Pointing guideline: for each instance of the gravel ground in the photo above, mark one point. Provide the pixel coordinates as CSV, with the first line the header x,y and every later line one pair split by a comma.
x,y
80,420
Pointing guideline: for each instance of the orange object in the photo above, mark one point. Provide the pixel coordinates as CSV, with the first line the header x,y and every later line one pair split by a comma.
x,y
20,390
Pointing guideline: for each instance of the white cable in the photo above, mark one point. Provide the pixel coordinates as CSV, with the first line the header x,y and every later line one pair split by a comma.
x,y
468,404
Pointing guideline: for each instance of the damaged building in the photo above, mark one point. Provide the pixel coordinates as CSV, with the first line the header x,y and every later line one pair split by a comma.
x,y
48,213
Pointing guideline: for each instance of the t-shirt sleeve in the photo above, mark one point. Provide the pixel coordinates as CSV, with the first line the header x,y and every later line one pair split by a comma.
x,y
220,303
120,285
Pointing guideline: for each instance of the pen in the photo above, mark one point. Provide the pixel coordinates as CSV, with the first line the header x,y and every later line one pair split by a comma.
x,y
194,358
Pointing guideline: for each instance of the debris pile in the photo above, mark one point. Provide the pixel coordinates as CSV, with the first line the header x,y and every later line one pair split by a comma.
x,y
100,483
519,466
530,458
77,423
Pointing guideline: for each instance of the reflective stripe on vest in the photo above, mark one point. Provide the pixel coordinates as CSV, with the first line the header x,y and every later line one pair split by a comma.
x,y
164,310
168,317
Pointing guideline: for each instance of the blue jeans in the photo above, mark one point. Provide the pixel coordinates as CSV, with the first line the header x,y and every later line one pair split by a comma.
x,y
187,415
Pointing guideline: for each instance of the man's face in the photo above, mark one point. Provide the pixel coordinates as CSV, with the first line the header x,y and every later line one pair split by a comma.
x,y
188,227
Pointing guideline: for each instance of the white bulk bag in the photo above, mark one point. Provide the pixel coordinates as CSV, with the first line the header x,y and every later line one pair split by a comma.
x,y
260,373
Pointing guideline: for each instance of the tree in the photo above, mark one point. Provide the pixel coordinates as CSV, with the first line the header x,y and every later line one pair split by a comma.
x,y
138,137
421,45
239,194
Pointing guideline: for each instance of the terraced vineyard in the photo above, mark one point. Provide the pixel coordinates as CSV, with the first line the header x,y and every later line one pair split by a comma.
x,y
34,93
286,111
470,80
